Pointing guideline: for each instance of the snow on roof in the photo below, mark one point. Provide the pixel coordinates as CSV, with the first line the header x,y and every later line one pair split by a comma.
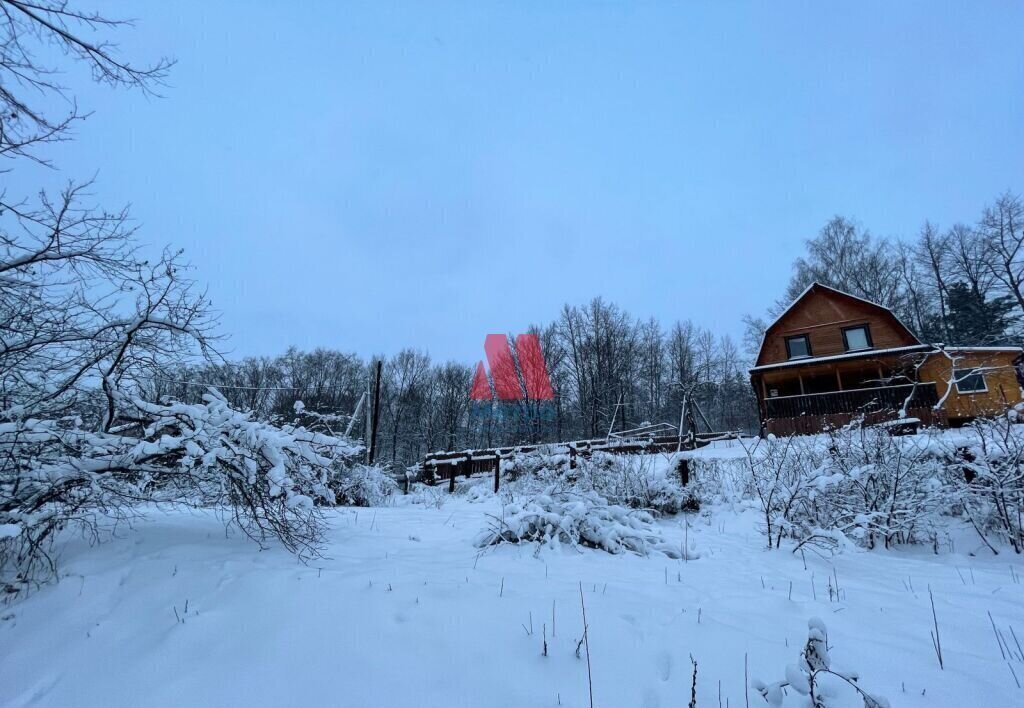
x,y
847,355
982,349
890,350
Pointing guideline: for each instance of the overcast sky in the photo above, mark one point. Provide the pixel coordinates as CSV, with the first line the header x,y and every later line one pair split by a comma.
x,y
369,176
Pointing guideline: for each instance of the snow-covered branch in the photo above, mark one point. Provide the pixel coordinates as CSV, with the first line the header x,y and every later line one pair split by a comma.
x,y
271,480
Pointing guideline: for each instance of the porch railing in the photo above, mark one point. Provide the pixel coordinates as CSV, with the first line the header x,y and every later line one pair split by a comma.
x,y
862,400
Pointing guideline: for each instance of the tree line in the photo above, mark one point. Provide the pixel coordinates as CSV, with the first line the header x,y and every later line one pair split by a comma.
x,y
611,371
608,371
962,285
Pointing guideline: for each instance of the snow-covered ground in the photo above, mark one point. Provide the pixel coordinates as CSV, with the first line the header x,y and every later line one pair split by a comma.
x,y
405,611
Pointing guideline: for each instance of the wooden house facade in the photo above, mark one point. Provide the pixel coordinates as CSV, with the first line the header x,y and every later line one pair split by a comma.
x,y
832,356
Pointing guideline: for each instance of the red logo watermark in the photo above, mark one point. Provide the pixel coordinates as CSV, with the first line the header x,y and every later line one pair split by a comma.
x,y
518,376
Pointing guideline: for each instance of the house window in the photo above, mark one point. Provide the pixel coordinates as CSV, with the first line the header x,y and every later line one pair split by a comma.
x,y
858,337
969,381
798,346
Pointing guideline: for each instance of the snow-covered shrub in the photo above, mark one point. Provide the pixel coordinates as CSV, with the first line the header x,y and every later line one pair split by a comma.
x,y
56,474
782,472
882,489
476,490
648,482
545,462
720,480
527,474
362,485
429,495
639,481
814,681
988,475
856,484
577,519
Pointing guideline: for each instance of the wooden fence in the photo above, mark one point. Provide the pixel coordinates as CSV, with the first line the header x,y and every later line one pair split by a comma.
x,y
449,465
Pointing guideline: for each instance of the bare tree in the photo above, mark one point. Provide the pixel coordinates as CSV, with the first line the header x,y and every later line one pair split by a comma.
x,y
1002,228
82,309
969,260
405,379
448,403
88,324
651,371
28,86
933,255
553,349
753,335
849,258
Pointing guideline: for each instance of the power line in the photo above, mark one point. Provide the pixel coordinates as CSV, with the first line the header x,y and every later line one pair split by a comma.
x,y
205,384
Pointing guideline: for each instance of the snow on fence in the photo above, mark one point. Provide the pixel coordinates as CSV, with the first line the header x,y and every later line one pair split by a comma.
x,y
449,465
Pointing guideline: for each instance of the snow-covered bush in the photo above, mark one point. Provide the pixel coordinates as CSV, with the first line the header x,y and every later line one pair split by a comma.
x,y
782,473
545,462
476,490
527,474
429,495
639,481
814,681
361,485
577,519
856,484
55,474
648,482
987,472
862,485
882,489
725,480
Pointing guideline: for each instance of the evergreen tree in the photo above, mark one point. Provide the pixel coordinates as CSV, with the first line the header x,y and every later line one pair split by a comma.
x,y
975,320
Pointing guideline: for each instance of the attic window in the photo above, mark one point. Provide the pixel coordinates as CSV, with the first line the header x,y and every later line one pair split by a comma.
x,y
855,338
798,346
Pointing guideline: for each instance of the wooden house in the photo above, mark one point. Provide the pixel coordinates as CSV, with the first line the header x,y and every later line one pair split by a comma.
x,y
832,356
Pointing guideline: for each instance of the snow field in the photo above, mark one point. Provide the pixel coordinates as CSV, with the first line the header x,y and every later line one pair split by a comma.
x,y
405,611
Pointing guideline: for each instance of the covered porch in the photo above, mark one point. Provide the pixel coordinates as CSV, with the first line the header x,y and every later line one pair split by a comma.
x,y
809,398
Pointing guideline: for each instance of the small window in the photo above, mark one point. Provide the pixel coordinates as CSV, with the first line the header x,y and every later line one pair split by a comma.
x,y
798,346
858,337
969,381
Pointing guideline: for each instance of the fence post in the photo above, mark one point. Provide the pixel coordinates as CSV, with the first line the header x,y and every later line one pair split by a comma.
x,y
452,467
497,471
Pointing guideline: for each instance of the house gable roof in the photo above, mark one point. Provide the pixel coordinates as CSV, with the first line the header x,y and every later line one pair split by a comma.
x,y
817,287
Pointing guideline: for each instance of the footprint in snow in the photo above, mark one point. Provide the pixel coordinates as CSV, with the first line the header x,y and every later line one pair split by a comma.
x,y
634,628
664,665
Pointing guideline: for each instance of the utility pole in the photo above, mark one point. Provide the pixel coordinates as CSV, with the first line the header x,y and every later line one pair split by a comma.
x,y
376,412
368,394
